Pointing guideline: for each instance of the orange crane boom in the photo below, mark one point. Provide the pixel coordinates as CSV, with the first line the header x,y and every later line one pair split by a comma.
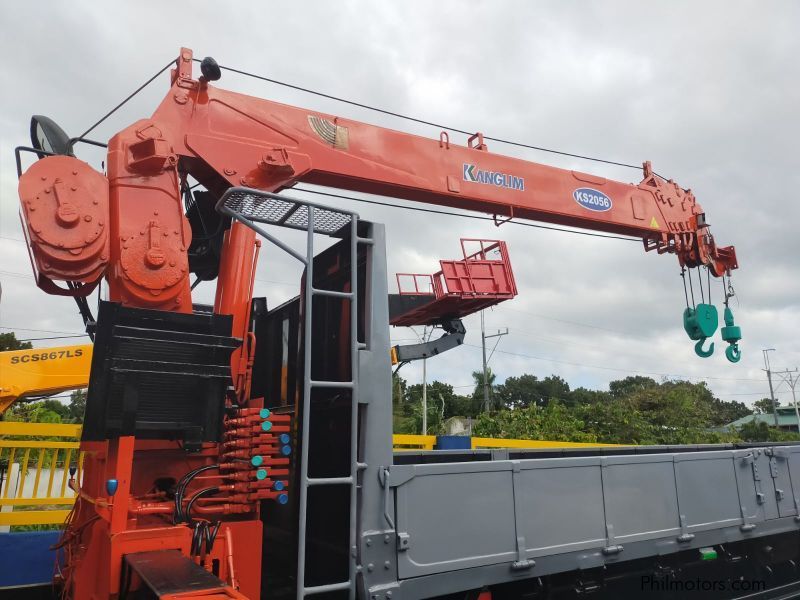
x,y
131,228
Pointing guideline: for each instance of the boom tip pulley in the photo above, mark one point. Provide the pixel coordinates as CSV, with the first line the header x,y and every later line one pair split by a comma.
x,y
210,69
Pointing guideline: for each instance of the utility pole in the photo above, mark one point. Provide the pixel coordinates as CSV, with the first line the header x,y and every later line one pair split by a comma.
x,y
485,370
766,352
424,387
792,384
485,337
424,397
791,378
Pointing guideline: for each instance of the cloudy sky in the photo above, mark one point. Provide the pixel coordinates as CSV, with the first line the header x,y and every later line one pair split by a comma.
x,y
708,91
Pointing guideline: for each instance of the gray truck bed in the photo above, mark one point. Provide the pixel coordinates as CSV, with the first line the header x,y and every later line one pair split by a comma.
x,y
497,520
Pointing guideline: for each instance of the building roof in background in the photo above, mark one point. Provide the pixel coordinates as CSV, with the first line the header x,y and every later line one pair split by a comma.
x,y
786,418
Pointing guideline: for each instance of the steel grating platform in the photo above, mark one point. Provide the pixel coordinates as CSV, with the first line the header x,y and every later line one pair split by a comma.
x,y
271,209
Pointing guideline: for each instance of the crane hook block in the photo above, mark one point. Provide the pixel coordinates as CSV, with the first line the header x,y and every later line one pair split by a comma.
x,y
700,322
731,333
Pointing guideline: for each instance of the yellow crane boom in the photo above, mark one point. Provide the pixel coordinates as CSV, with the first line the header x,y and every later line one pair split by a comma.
x,y
43,372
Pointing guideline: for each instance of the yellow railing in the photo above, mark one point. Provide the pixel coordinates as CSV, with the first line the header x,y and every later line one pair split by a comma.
x,y
479,442
426,442
34,487
403,441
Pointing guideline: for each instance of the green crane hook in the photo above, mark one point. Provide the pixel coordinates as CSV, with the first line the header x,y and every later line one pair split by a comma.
x,y
731,333
733,354
698,349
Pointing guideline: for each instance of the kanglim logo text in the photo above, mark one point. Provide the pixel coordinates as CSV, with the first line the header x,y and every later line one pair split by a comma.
x,y
475,175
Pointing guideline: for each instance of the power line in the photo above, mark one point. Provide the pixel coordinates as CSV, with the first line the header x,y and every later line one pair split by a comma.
x,y
13,274
588,366
425,122
275,282
515,331
56,337
578,323
38,330
40,398
26,276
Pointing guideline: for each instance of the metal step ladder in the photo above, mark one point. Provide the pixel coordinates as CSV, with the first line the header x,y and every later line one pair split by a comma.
x,y
251,207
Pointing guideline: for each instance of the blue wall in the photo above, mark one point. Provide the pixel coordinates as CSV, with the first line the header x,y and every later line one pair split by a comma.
x,y
27,558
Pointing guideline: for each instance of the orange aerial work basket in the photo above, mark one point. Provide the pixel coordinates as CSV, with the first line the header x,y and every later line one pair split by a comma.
x,y
481,279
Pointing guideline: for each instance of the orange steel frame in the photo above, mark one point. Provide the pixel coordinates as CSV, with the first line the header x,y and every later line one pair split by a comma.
x,y
130,228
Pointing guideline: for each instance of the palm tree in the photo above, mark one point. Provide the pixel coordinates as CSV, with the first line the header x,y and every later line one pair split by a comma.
x,y
477,395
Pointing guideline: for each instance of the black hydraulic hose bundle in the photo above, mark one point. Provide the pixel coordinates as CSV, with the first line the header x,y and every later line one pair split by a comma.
x,y
204,532
204,492
180,490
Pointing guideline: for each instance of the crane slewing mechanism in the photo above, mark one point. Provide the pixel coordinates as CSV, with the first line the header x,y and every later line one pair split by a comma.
x,y
244,450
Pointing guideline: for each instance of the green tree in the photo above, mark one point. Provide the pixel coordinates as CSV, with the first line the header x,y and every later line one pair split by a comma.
x,y
680,412
462,406
759,431
675,405
641,411
527,390
618,421
764,406
438,396
554,387
398,389
519,392
77,406
635,410
632,383
402,413
41,411
552,422
62,410
443,403
436,389
581,395
435,409
728,411
9,341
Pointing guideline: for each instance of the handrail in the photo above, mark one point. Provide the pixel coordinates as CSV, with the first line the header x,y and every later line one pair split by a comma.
x,y
403,441
35,472
45,429
482,442
41,495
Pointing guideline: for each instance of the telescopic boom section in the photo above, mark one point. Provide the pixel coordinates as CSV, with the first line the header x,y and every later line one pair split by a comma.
x,y
228,139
